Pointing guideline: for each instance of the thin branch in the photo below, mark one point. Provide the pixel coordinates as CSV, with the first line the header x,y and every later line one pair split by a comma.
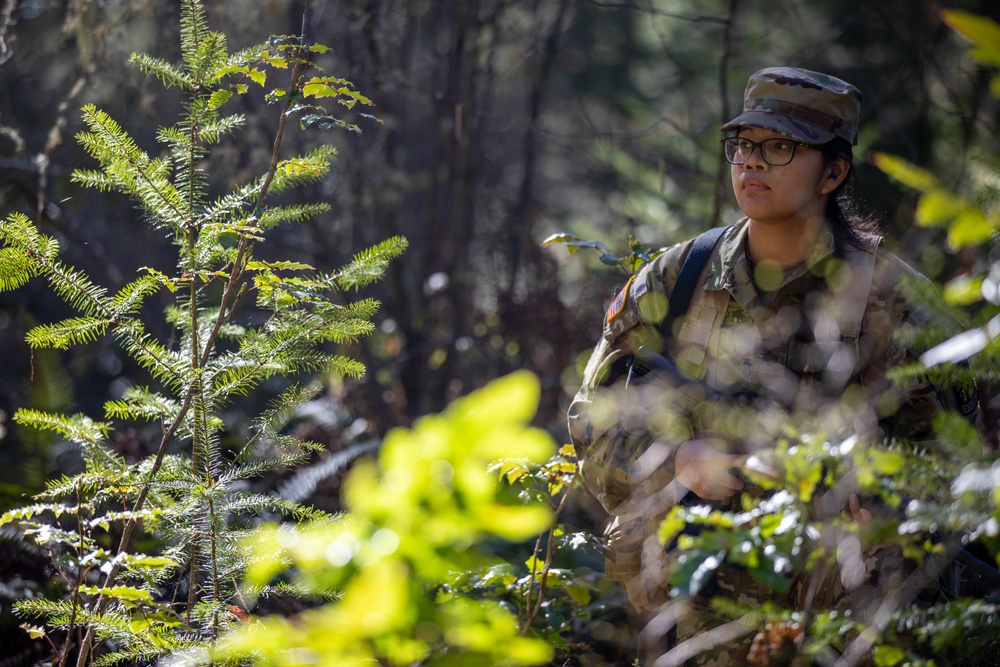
x,y
550,552
727,42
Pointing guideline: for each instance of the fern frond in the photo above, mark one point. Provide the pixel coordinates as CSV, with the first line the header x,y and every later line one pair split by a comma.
x,y
369,265
63,335
167,73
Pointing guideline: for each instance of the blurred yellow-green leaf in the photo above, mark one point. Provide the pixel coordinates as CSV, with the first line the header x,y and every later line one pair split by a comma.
x,y
982,31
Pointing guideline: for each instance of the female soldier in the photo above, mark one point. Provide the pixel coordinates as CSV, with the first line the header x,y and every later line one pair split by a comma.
x,y
796,304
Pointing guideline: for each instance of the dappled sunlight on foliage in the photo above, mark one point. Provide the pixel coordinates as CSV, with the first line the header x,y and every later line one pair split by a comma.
x,y
416,521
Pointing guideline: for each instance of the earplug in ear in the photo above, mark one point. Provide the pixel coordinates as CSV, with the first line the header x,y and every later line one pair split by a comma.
x,y
832,176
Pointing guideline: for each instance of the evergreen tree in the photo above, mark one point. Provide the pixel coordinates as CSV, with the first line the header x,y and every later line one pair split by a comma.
x,y
236,321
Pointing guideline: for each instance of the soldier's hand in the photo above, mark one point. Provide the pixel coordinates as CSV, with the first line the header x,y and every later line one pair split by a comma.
x,y
706,471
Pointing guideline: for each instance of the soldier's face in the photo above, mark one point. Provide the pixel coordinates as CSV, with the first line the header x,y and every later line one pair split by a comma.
x,y
786,195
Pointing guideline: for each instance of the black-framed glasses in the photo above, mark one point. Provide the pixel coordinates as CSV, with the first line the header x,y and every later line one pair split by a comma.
x,y
776,151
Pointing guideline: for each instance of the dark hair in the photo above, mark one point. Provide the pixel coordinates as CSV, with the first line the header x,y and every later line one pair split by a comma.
x,y
848,221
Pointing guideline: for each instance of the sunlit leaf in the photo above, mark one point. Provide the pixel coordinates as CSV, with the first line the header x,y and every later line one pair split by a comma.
x,y
964,290
982,31
257,76
888,656
937,207
970,227
905,172
695,573
884,462
671,526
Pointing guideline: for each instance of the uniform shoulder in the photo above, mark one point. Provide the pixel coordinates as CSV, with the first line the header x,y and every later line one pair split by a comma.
x,y
637,302
891,269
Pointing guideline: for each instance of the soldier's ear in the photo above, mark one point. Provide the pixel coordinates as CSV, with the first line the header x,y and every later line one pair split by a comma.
x,y
835,174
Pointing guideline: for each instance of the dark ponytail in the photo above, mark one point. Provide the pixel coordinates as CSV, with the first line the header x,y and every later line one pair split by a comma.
x,y
842,210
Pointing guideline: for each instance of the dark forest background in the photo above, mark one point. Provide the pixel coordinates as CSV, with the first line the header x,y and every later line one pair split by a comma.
x,y
498,123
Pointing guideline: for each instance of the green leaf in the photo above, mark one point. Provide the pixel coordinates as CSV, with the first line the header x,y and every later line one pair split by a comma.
x,y
983,32
671,526
511,399
279,62
257,76
119,592
696,571
274,266
937,207
516,523
560,237
964,290
905,172
885,463
970,227
153,562
888,656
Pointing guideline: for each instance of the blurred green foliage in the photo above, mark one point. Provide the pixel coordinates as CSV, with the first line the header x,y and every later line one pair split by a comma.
x,y
417,520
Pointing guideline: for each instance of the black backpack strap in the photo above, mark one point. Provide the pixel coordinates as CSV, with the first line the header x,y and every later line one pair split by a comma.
x,y
680,296
691,269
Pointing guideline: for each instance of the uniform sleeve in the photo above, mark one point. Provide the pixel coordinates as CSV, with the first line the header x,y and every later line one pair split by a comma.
x,y
623,463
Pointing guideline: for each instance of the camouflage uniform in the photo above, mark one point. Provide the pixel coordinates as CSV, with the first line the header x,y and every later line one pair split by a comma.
x,y
819,339
828,327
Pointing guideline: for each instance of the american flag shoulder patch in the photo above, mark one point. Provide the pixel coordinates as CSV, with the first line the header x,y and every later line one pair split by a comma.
x,y
618,305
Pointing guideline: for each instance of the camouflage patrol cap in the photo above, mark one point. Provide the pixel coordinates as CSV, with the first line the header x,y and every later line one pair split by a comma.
x,y
808,106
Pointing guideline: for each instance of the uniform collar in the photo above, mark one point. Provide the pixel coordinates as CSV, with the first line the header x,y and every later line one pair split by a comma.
x,y
729,266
